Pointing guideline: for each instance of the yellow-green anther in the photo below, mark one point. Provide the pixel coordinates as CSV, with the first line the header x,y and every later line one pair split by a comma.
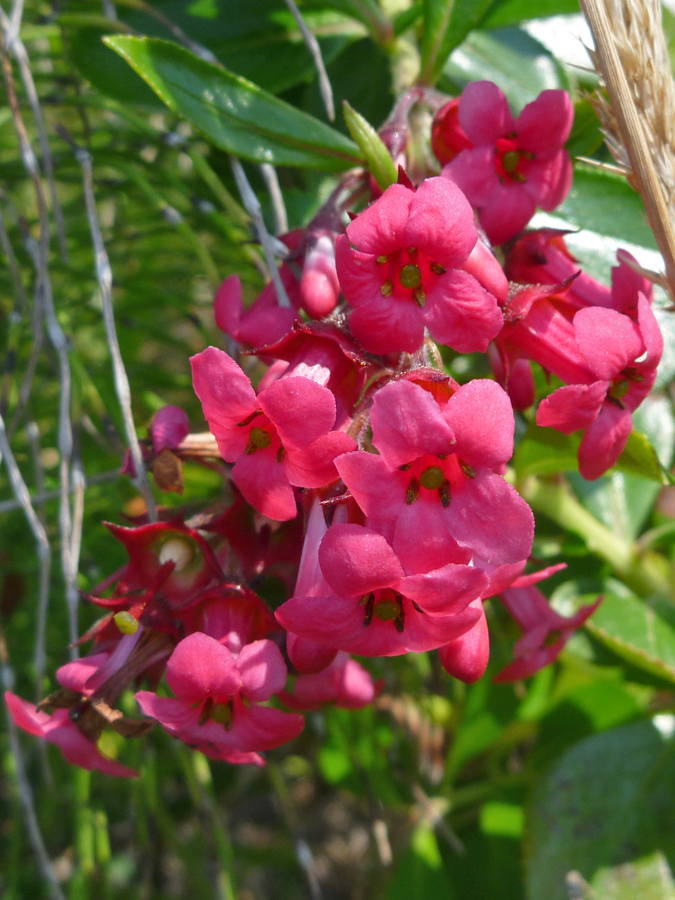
x,y
387,288
260,438
432,478
126,623
410,276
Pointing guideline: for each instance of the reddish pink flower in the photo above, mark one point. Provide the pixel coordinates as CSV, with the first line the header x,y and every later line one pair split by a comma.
x,y
217,705
513,165
405,264
374,608
319,287
279,438
171,551
447,135
265,321
233,619
623,356
542,257
434,490
344,683
59,729
467,656
546,632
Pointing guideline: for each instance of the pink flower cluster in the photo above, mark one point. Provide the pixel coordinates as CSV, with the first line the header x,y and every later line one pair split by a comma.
x,y
360,475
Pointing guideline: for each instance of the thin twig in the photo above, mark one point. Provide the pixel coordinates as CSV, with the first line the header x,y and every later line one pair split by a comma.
x,y
16,47
104,277
270,245
269,173
313,46
173,29
43,549
23,784
46,496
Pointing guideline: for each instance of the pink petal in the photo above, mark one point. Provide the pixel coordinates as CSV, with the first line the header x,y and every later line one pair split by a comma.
x,y
608,340
379,229
506,212
445,591
627,284
487,271
263,482
227,305
422,539
75,675
169,427
604,441
263,727
572,407
467,656
484,113
441,223
407,423
481,416
388,325
227,398
355,561
461,314
175,716
201,667
549,183
361,276
473,171
650,333
308,656
301,409
262,670
491,518
345,683
378,491
545,124
314,466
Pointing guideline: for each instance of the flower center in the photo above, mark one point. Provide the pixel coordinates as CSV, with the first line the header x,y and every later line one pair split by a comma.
x,y
432,478
410,276
386,610
222,713
260,438
510,161
177,551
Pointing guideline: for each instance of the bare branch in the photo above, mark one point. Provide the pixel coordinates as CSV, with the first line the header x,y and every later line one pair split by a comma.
x,y
269,173
313,46
46,496
43,549
23,784
270,245
104,277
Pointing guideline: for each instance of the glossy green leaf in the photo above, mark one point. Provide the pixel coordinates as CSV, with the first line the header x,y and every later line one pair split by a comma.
x,y
512,12
544,451
520,65
235,114
378,158
641,458
604,812
606,204
585,137
447,23
636,632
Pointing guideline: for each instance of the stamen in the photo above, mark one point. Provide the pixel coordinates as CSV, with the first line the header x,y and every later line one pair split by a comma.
x,y
387,288
468,470
436,269
413,491
420,297
249,419
382,260
444,494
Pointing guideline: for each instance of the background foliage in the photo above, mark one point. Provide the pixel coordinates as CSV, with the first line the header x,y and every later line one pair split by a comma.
x,y
560,787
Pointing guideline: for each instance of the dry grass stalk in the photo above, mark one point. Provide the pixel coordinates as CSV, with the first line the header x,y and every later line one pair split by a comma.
x,y
639,120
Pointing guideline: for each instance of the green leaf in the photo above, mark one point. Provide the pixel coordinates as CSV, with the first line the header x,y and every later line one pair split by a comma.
x,y
519,64
512,12
637,633
585,137
641,458
378,158
606,204
420,873
235,114
446,24
544,451
604,812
